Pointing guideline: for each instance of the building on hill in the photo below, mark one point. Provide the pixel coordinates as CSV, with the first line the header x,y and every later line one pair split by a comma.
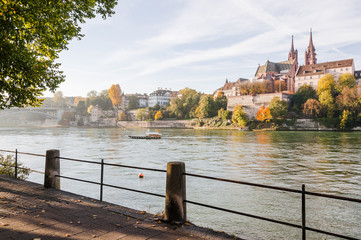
x,y
230,88
161,97
283,71
141,100
310,74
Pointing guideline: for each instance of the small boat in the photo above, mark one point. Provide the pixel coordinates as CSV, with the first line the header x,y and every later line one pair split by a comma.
x,y
148,135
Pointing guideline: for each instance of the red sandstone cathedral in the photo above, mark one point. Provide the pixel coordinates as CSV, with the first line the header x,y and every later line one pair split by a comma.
x,y
294,75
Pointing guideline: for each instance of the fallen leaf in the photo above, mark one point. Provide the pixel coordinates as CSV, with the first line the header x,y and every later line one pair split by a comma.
x,y
5,202
67,235
5,224
153,226
94,236
187,224
143,212
118,225
159,222
42,211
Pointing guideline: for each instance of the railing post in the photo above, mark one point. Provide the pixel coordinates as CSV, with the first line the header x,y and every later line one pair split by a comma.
x,y
16,163
175,196
101,180
303,212
52,169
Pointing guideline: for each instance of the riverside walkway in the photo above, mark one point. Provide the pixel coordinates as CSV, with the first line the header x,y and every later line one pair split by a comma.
x,y
30,211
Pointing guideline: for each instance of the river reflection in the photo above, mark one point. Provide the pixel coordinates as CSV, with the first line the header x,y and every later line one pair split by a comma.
x,y
327,162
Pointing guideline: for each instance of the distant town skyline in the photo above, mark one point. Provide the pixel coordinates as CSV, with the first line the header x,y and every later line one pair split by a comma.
x,y
199,44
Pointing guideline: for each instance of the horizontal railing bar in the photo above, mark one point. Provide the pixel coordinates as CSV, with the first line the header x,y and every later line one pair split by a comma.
x,y
134,167
113,186
77,160
25,153
245,183
77,179
134,190
333,196
331,234
244,214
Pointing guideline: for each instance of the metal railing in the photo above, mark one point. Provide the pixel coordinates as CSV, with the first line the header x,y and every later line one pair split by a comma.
x,y
303,192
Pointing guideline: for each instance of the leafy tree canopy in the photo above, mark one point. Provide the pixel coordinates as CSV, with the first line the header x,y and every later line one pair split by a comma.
x,y
207,107
32,34
115,94
185,105
278,108
302,94
312,108
346,80
264,114
326,84
239,117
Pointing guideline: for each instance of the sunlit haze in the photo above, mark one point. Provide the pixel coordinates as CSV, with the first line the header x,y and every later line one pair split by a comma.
x,y
201,43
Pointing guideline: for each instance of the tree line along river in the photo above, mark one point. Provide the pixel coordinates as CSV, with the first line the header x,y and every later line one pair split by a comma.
x,y
327,162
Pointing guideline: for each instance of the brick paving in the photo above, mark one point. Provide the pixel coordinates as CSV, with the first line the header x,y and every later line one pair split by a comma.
x,y
30,211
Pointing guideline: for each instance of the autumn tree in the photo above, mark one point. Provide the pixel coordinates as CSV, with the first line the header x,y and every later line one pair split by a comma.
x,y
326,91
81,109
278,108
185,105
115,95
122,116
158,115
345,80
239,117
264,114
280,86
312,108
32,35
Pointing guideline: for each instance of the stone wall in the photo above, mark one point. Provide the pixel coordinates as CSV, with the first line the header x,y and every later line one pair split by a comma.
x,y
252,103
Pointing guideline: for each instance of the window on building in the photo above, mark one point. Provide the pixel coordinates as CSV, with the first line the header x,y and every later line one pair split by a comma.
x,y
304,78
311,84
341,69
346,69
310,77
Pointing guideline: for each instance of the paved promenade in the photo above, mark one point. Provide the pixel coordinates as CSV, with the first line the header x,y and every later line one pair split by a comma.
x,y
29,211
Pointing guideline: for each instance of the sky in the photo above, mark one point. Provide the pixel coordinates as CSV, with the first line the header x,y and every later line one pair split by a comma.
x,y
151,44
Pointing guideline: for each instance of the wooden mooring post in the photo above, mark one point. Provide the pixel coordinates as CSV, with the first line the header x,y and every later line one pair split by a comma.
x,y
52,169
175,196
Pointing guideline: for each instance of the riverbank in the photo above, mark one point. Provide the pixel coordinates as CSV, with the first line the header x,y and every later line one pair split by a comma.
x,y
30,211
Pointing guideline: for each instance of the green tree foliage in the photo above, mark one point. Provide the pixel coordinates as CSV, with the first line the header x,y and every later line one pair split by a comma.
x,y
185,105
278,108
81,109
221,101
239,117
141,114
7,167
302,94
32,34
312,108
207,107
224,114
345,80
326,84
133,102
328,102
102,100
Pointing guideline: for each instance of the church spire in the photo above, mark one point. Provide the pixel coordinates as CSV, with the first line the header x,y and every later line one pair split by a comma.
x,y
292,55
310,53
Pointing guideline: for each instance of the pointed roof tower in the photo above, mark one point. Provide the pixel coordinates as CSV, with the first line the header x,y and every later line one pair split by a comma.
x,y
310,53
292,55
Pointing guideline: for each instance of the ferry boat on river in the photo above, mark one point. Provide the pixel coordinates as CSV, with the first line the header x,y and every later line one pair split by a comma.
x,y
148,135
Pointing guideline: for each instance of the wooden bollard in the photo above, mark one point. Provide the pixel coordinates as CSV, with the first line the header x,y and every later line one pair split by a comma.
x,y
52,168
175,207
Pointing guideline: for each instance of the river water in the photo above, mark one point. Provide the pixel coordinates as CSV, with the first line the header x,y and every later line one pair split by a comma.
x,y
327,162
